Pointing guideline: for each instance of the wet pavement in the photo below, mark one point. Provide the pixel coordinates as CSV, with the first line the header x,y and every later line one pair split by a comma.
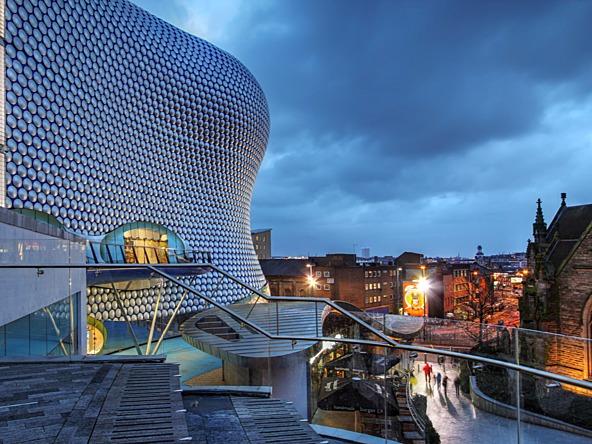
x,y
458,421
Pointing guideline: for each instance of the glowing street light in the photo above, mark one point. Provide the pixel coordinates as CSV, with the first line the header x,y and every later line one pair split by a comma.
x,y
311,280
423,286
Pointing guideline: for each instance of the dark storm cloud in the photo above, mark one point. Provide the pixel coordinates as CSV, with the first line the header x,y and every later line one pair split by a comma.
x,y
414,82
419,81
394,123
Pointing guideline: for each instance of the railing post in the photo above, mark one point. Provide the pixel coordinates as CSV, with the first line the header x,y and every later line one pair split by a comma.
x,y
109,254
92,250
277,319
316,319
518,407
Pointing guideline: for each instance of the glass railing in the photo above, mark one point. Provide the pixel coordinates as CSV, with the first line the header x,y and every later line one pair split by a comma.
x,y
102,252
41,296
365,373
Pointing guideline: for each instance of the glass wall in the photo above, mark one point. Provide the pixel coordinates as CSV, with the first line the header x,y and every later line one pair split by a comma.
x,y
143,243
50,331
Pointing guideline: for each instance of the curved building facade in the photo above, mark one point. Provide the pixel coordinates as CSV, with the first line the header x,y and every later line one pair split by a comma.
x,y
115,118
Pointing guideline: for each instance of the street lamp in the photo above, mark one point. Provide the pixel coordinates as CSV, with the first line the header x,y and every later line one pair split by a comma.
x,y
311,281
423,286
398,291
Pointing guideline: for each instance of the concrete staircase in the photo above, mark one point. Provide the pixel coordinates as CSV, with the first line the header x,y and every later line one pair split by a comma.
x,y
217,327
410,432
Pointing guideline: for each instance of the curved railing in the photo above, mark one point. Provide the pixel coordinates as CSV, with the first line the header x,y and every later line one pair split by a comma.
x,y
366,335
383,339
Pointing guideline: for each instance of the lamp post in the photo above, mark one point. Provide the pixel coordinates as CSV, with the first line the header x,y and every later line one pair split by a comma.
x,y
398,292
311,280
423,286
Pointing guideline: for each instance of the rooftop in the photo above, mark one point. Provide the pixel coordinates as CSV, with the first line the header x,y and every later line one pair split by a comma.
x,y
133,399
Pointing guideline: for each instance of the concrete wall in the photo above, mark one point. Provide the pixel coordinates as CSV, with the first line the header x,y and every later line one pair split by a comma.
x,y
25,241
289,383
484,402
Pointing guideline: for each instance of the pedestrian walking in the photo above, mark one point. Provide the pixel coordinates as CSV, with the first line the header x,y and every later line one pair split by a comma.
x,y
412,382
427,371
457,385
439,380
445,385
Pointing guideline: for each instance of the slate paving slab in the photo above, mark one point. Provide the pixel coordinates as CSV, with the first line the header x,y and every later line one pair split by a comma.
x,y
88,402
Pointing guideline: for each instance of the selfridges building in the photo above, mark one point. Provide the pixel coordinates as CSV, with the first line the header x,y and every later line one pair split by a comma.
x,y
128,130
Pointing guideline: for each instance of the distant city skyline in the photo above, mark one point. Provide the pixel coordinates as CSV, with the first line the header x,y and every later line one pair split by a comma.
x,y
430,127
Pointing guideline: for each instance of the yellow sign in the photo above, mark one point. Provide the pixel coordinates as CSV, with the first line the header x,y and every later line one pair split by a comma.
x,y
414,300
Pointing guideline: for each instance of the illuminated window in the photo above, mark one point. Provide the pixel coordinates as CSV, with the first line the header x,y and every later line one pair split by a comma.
x,y
327,287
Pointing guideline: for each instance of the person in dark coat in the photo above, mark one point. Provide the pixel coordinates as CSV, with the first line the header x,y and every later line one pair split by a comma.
x,y
457,385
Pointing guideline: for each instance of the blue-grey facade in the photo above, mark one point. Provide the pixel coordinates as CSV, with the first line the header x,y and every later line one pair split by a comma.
x,y
114,117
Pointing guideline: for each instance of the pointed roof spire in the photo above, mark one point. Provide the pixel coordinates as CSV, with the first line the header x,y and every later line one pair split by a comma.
x,y
539,228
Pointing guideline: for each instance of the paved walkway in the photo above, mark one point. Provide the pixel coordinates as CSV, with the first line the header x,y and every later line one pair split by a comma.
x,y
458,421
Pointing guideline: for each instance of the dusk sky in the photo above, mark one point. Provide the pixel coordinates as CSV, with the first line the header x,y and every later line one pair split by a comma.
x,y
424,126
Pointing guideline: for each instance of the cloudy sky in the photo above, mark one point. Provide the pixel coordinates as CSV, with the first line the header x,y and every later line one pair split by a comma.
x,y
398,125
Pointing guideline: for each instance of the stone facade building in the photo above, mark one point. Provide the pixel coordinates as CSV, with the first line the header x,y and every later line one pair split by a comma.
x,y
558,294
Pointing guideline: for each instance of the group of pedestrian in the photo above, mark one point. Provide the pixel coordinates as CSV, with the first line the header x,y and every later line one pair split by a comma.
x,y
441,381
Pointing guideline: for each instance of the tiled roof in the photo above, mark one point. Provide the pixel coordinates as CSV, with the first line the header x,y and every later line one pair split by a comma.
x,y
284,267
565,232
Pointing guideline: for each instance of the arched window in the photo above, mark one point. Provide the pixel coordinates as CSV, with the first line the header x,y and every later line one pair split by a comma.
x,y
142,243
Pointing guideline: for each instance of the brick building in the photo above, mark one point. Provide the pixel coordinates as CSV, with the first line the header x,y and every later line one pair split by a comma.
x,y
558,294
372,286
369,285
460,283
287,277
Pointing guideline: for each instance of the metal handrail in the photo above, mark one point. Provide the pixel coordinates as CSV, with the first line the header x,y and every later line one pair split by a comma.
x,y
414,414
388,342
